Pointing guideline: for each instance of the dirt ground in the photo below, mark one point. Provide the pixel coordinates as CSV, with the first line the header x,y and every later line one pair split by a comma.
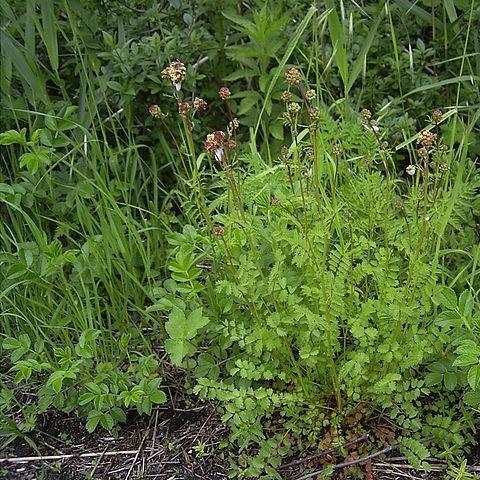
x,y
170,445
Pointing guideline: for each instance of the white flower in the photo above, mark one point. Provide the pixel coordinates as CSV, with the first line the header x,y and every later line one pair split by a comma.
x,y
411,169
219,154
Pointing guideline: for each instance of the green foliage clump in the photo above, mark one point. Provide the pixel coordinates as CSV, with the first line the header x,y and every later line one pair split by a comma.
x,y
318,287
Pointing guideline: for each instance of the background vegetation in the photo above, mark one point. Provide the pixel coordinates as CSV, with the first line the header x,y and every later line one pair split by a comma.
x,y
341,278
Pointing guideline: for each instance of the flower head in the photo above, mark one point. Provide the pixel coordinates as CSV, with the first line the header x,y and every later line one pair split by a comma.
x,y
426,138
155,111
218,231
437,115
337,149
200,103
423,153
293,76
233,125
310,95
176,73
286,97
184,107
314,113
443,168
411,169
294,108
225,93
366,115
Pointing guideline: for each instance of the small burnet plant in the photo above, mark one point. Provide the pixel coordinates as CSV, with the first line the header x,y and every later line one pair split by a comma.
x,y
233,125
215,144
366,115
443,168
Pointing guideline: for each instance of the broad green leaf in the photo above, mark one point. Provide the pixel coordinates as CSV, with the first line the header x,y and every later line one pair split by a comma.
x,y
27,71
465,360
248,102
449,6
158,397
450,380
179,327
433,378
93,420
473,376
11,137
177,349
447,298
465,303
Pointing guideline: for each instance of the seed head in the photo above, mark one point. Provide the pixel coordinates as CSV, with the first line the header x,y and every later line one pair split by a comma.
x,y
155,111
293,76
411,169
443,168
310,95
218,231
200,103
399,205
366,115
426,138
286,97
224,93
184,107
294,108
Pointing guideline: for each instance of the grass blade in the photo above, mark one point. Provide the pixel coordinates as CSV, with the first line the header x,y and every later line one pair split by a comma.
x,y
337,38
291,47
362,56
50,32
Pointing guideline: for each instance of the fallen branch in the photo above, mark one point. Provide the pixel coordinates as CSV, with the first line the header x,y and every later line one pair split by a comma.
x,y
316,456
44,458
353,462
